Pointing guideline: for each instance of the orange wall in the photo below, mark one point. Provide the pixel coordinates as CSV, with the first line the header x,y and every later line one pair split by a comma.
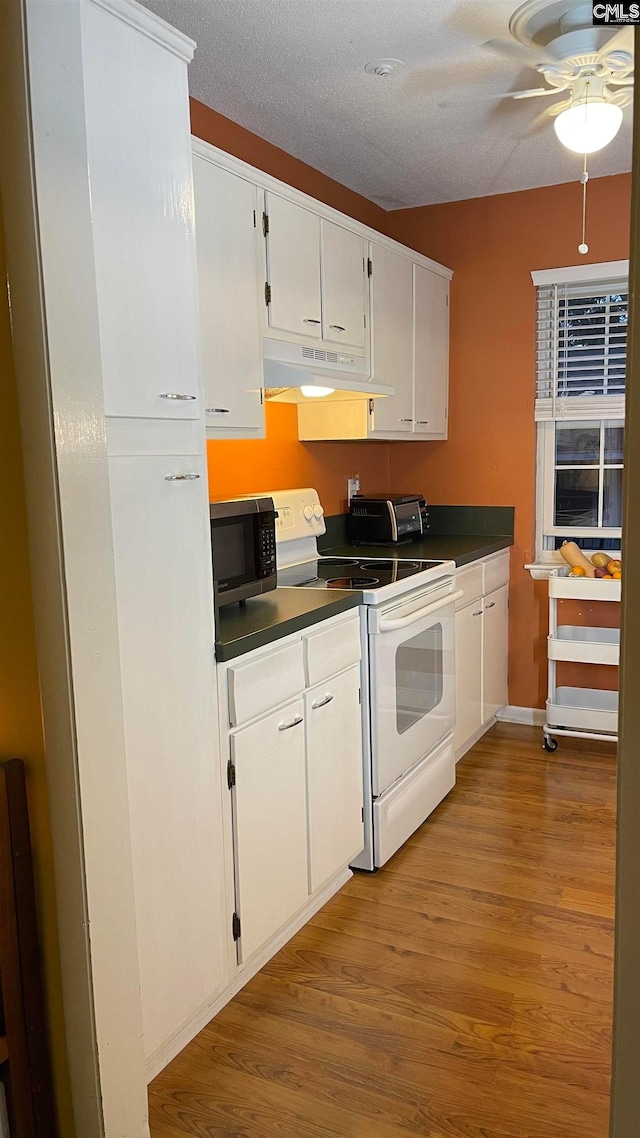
x,y
20,719
492,244
280,461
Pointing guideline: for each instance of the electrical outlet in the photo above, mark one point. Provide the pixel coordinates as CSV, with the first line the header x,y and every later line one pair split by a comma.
x,y
353,487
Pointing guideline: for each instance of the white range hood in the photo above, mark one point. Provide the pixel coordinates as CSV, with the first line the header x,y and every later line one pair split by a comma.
x,y
290,367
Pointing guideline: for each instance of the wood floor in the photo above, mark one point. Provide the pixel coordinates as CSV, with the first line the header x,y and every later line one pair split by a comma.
x,y
463,991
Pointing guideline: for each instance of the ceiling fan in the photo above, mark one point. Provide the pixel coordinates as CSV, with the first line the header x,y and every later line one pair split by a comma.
x,y
593,66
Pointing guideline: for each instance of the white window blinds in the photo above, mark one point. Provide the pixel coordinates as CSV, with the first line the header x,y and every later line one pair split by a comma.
x,y
582,349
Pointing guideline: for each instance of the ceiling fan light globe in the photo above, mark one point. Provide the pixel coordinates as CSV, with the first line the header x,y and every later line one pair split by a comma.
x,y
587,127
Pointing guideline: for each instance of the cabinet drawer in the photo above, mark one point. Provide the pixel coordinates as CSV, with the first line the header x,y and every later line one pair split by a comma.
x,y
496,572
471,583
331,650
259,685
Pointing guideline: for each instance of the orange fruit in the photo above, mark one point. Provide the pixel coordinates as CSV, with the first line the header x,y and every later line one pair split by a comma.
x,y
577,571
617,575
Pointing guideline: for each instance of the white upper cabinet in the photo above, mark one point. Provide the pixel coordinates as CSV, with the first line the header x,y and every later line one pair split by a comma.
x,y
143,226
227,212
293,269
392,338
344,286
431,319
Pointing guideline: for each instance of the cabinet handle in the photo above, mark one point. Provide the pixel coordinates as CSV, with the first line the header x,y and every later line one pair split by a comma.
x,y
180,477
338,327
491,605
175,395
405,420
323,702
422,422
294,723
311,321
216,410
478,612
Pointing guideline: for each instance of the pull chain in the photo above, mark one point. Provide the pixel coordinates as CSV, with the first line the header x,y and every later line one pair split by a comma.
x,y
583,247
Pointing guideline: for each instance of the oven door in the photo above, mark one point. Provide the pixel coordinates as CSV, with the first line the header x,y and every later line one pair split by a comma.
x,y
412,674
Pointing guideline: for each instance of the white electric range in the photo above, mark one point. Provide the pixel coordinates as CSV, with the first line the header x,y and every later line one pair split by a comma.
x,y
407,672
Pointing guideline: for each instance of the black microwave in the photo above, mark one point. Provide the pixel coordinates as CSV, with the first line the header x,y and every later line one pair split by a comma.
x,y
243,548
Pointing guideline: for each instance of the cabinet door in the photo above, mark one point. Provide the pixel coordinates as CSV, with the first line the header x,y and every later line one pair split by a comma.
x,y
270,824
139,148
293,265
226,218
392,338
165,622
344,282
468,673
495,652
334,775
431,316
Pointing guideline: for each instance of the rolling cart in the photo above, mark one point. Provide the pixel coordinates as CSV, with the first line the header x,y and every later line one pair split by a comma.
x,y
581,713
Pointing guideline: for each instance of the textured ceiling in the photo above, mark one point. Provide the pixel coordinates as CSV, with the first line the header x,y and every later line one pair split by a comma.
x,y
292,71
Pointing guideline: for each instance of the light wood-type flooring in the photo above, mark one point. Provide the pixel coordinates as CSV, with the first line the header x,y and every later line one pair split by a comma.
x,y
463,991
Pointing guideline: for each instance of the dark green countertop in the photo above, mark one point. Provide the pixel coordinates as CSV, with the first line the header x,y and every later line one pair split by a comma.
x,y
440,547
268,618
274,615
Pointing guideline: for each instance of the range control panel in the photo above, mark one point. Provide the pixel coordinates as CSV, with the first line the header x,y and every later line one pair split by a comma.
x,y
299,514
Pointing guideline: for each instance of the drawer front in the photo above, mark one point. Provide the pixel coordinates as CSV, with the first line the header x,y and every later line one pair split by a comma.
x,y
470,580
496,572
331,650
258,685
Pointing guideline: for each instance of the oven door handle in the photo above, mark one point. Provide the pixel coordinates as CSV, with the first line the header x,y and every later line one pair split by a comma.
x,y
393,623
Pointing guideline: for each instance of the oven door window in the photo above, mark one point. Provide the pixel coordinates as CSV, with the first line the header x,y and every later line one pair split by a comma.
x,y
419,677
233,551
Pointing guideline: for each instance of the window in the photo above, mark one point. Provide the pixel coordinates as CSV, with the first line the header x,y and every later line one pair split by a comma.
x,y
582,316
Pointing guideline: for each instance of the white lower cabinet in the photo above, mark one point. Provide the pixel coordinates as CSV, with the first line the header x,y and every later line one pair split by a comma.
x,y
495,652
482,647
468,673
294,773
334,787
165,625
270,824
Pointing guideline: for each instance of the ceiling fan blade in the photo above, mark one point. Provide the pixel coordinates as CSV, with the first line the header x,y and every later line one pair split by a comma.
x,y
534,93
623,40
514,51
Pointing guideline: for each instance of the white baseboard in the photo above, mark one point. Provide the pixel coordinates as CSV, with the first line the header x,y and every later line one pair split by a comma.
x,y
168,1051
531,716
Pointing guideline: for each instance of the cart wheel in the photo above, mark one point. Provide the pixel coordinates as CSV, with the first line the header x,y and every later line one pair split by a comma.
x,y
549,743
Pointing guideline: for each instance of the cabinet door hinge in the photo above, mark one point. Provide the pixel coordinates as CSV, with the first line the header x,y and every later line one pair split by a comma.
x,y
267,293
369,267
261,396
235,926
254,219
265,223
362,813
371,406
231,774
359,695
